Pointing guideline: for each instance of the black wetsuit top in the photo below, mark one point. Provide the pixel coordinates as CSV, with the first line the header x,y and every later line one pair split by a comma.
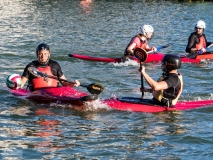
x,y
55,69
193,40
172,91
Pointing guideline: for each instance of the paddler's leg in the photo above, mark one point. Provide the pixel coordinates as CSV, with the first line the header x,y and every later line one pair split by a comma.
x,y
192,55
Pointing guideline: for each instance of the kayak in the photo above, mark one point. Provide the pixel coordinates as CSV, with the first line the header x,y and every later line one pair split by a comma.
x,y
206,55
78,98
144,105
152,58
62,94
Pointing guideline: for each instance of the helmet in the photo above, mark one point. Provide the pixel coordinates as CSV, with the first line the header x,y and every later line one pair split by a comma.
x,y
171,62
200,24
147,28
42,46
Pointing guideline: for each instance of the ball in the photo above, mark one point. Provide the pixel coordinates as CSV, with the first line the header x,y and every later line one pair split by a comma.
x,y
13,81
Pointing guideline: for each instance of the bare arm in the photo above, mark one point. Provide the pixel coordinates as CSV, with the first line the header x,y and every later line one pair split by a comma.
x,y
150,90
24,80
152,83
76,82
130,49
151,48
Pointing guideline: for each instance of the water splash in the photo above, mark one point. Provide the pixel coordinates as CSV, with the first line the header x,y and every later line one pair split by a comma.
x,y
96,105
127,63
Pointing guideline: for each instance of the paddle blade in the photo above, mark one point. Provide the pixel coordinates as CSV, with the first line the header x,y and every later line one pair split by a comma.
x,y
34,71
140,54
95,88
167,45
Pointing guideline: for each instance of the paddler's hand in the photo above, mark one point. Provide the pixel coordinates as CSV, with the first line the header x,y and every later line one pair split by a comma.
x,y
203,50
77,83
142,70
153,49
71,84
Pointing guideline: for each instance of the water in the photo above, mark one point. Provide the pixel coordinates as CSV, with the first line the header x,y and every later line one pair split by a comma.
x,y
101,28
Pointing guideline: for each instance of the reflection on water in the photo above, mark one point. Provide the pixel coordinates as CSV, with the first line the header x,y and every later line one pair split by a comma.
x,y
49,130
86,5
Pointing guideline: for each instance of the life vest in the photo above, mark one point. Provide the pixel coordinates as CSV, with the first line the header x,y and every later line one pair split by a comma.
x,y
168,98
41,82
141,44
201,44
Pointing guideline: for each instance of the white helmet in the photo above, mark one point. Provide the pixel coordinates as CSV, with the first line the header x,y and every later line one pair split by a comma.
x,y
200,24
146,28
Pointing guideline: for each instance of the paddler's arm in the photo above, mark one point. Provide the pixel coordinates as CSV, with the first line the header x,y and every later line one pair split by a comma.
x,y
152,83
191,41
76,82
130,49
150,90
153,49
24,80
193,50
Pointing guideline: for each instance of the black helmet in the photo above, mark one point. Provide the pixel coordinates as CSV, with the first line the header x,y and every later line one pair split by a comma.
x,y
171,62
42,46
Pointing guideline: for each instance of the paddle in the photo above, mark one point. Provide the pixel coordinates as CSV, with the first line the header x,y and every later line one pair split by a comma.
x,y
141,55
200,51
94,88
161,47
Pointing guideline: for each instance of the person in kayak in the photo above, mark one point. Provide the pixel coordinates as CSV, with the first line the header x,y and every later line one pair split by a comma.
x,y
197,42
45,65
140,40
168,88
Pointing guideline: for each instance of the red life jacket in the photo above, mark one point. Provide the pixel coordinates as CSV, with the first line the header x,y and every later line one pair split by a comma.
x,y
201,44
41,82
142,44
139,43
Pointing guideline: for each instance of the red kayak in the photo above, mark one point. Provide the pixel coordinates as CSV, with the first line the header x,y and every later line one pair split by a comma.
x,y
75,97
144,105
62,94
152,58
